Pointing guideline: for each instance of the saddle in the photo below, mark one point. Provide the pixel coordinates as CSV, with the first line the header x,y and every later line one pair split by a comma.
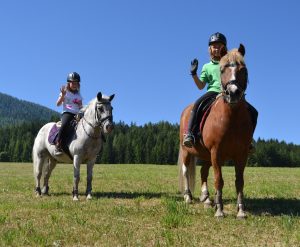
x,y
68,136
202,114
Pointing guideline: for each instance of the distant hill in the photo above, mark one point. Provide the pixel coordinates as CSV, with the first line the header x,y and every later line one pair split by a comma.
x,y
16,111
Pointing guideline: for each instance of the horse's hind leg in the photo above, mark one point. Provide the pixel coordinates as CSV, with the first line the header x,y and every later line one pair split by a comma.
x,y
204,197
239,184
38,163
47,173
188,175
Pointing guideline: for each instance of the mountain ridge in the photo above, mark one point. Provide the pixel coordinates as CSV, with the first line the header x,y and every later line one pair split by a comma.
x,y
18,111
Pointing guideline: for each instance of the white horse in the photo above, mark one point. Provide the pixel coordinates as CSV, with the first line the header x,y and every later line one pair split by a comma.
x,y
84,147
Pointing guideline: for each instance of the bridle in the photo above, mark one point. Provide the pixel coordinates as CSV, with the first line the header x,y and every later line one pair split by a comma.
x,y
99,122
225,90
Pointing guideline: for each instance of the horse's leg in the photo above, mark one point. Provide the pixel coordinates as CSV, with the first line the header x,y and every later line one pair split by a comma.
x,y
188,175
38,163
219,183
239,185
48,171
204,197
76,179
89,167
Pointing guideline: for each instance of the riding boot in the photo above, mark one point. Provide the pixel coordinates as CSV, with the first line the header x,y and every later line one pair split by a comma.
x,y
58,149
254,114
188,137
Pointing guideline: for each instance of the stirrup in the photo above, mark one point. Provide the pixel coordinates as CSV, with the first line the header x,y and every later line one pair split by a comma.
x,y
58,150
188,140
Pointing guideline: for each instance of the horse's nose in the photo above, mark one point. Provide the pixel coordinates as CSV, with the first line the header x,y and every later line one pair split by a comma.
x,y
109,127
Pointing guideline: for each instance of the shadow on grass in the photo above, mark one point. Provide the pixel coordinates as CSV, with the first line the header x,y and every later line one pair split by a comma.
x,y
273,207
128,195
119,195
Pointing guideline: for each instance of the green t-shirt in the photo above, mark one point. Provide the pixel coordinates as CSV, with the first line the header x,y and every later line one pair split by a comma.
x,y
212,76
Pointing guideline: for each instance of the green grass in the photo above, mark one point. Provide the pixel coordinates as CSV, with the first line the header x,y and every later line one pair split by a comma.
x,y
138,205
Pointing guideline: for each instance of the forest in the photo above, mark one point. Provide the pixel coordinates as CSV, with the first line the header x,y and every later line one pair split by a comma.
x,y
152,143
148,144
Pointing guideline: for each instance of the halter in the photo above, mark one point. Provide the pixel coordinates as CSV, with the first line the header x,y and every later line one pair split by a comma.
x,y
225,92
99,123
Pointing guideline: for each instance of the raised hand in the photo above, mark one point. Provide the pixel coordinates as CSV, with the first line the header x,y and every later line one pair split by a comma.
x,y
63,90
194,66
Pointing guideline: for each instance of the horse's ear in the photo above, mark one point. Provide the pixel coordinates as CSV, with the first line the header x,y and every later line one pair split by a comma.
x,y
111,97
99,96
242,49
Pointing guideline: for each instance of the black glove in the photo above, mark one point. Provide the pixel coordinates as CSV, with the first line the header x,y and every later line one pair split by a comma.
x,y
194,67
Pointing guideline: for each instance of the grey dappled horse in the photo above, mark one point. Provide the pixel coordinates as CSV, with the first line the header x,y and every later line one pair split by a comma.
x,y
84,147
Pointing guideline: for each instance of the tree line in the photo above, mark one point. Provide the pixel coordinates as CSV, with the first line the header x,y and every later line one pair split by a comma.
x,y
148,144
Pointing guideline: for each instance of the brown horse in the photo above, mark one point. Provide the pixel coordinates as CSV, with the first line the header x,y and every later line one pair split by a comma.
x,y
226,135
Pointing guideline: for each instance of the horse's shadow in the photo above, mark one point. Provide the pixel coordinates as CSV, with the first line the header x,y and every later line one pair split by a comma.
x,y
255,206
273,206
120,195
128,195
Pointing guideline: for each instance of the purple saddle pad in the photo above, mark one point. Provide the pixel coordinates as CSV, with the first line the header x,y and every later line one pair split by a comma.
x,y
53,134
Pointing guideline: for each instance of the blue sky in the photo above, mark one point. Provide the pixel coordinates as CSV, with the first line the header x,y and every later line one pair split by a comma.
x,y
141,51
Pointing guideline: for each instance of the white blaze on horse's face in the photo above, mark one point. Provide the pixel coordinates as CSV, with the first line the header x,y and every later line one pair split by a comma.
x,y
232,88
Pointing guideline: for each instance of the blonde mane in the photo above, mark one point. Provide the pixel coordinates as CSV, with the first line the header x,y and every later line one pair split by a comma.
x,y
232,56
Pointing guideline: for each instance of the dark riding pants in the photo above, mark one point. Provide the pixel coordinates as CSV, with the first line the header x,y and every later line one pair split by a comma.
x,y
196,113
66,118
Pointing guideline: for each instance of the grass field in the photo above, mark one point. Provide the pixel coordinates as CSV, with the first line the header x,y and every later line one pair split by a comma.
x,y
138,205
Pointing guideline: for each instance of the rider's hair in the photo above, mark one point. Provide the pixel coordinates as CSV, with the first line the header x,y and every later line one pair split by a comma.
x,y
223,52
69,88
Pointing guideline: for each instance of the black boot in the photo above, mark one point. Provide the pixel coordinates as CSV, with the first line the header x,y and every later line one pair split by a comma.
x,y
188,137
58,149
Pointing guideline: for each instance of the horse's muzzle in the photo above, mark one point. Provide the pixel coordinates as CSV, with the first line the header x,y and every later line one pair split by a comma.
x,y
233,94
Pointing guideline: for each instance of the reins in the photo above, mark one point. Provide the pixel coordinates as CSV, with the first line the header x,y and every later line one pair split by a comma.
x,y
98,124
89,135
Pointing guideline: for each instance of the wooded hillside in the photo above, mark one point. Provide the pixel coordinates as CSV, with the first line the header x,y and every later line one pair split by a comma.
x,y
148,144
15,111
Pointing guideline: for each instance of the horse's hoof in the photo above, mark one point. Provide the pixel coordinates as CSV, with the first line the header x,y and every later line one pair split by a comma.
x,y
37,195
204,196
187,199
241,212
89,197
241,215
219,214
207,203
75,198
45,191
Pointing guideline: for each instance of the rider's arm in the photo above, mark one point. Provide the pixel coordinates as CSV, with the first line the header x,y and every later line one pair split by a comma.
x,y
60,99
200,84
61,96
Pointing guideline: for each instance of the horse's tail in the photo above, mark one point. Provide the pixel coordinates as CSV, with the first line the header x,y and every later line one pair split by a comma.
x,y
35,158
191,171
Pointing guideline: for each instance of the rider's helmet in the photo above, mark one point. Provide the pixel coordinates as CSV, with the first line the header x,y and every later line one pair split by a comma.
x,y
217,37
74,76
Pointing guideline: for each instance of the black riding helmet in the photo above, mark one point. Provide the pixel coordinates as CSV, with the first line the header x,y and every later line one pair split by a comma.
x,y
74,76
217,37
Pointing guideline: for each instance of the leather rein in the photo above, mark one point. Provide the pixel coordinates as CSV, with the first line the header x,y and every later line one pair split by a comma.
x,y
98,124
